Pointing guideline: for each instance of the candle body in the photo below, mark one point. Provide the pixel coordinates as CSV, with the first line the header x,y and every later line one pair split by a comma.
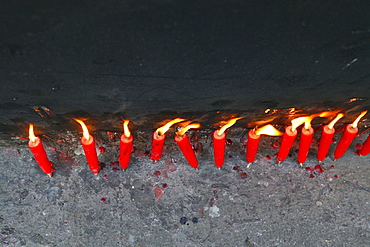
x,y
346,140
90,153
252,145
186,148
325,142
157,146
365,149
304,144
219,143
40,156
286,143
125,150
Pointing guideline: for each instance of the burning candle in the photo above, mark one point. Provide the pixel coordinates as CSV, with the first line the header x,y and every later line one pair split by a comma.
x,y
219,142
307,136
158,138
349,134
327,138
88,144
254,136
126,142
365,148
39,153
184,144
305,143
288,138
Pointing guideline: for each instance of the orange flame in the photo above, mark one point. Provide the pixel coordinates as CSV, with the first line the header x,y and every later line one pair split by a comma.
x,y
162,130
335,120
268,130
86,134
354,124
230,123
353,99
326,113
126,131
301,120
186,128
32,134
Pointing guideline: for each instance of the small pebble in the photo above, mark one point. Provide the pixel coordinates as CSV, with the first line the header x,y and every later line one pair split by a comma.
x,y
318,203
195,220
183,220
229,142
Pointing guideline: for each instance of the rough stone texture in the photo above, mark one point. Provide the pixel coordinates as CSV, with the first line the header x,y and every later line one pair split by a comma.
x,y
272,206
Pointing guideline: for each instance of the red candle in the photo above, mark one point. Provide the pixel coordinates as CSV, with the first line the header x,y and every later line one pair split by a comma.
x,y
219,142
184,144
126,142
88,145
39,153
349,134
327,138
307,136
254,136
304,144
158,138
289,137
287,143
365,149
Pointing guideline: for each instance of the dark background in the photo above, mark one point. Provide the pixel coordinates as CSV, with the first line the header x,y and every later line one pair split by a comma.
x,y
132,58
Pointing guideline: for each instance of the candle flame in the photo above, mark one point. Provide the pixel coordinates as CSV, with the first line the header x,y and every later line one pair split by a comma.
x,y
299,121
335,120
86,134
354,124
230,123
32,134
162,130
268,130
186,128
126,131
